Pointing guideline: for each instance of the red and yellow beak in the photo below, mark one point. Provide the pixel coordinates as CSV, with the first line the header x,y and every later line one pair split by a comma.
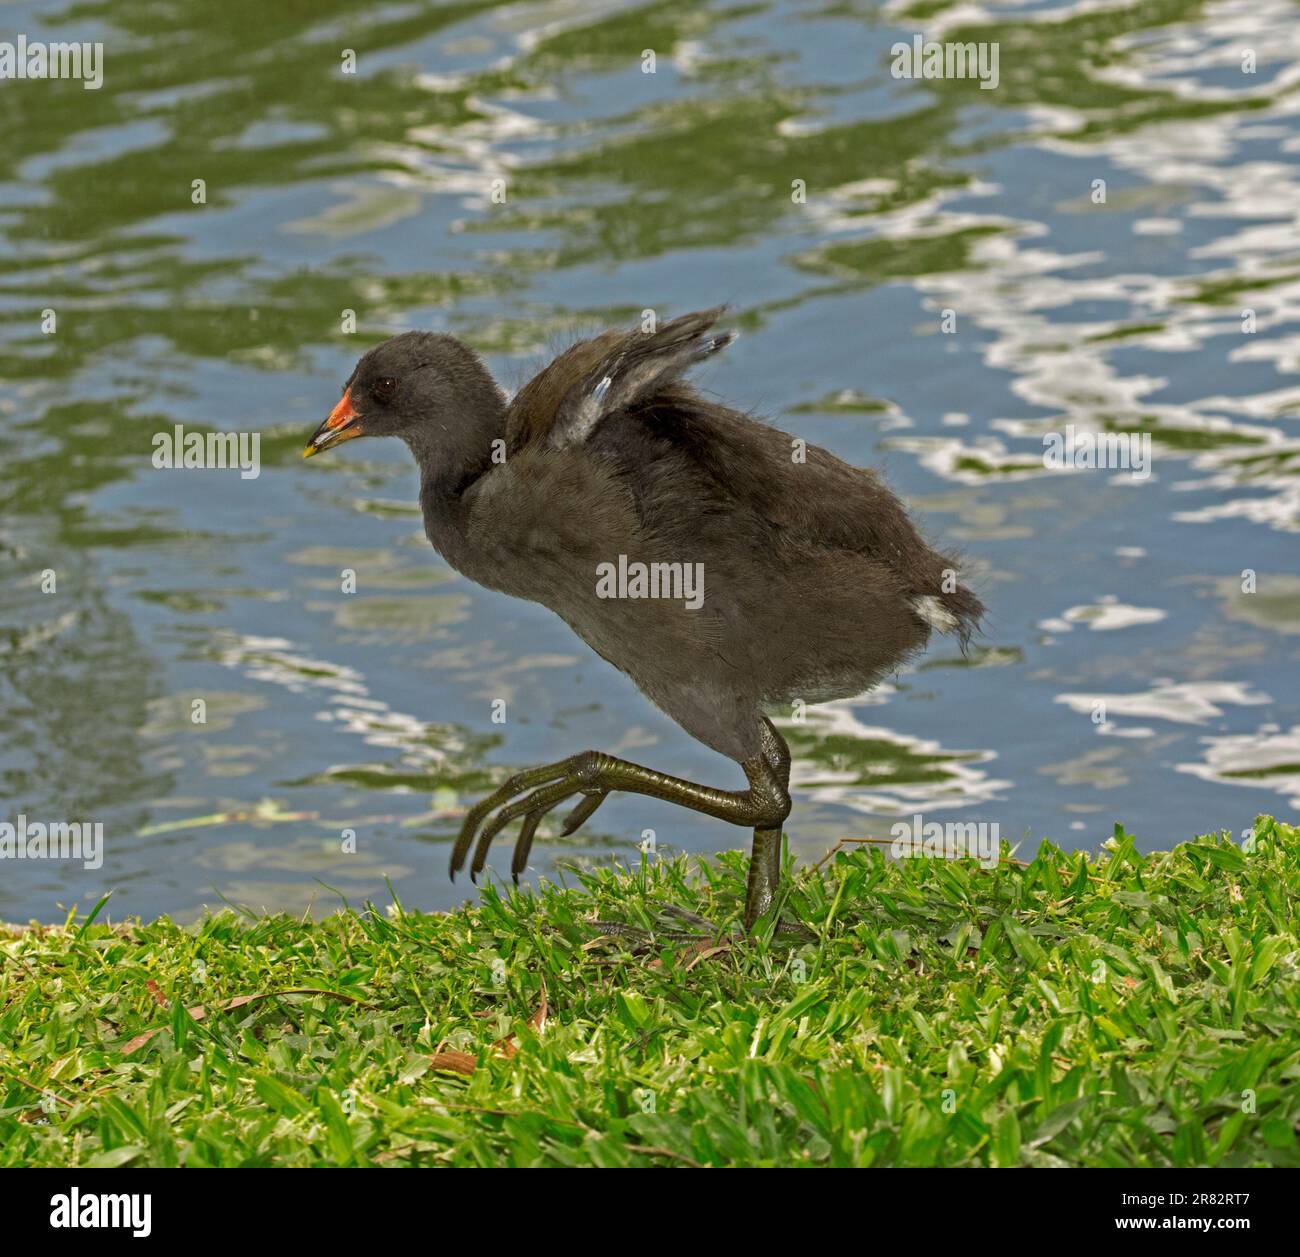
x,y
343,424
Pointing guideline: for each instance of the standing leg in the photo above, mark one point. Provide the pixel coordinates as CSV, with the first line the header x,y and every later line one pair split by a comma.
x,y
765,854
764,874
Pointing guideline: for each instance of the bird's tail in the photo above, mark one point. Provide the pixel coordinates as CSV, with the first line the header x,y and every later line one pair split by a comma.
x,y
951,608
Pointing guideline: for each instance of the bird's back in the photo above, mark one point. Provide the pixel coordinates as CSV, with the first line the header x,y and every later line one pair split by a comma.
x,y
815,581
817,553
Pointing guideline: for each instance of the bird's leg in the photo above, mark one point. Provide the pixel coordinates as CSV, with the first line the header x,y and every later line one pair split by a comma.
x,y
593,773
765,855
764,874
763,807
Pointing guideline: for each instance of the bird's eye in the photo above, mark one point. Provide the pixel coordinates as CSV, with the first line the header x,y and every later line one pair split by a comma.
x,y
384,387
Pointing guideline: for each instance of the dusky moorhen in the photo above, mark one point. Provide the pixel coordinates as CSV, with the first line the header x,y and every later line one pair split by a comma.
x,y
814,581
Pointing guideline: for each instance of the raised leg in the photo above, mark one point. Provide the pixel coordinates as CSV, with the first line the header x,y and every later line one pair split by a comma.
x,y
593,774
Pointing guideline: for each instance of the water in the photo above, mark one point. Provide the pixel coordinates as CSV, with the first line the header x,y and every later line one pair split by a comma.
x,y
372,712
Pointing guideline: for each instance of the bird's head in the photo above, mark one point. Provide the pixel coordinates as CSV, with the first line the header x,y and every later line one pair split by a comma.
x,y
427,388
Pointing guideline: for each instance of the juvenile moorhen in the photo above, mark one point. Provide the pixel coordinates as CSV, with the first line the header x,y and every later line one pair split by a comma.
x,y
815,582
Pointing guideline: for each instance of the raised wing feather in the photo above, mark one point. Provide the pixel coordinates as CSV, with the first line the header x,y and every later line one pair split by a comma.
x,y
563,404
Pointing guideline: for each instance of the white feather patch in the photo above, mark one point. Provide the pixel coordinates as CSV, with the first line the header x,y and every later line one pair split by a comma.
x,y
934,613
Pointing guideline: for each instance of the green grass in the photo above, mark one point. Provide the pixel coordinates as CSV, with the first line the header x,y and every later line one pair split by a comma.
x,y
1114,1009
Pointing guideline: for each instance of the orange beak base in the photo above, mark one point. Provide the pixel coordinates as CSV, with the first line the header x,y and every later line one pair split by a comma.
x,y
342,425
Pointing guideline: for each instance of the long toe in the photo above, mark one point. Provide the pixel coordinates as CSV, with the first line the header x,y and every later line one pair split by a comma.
x,y
586,806
481,810
541,801
791,927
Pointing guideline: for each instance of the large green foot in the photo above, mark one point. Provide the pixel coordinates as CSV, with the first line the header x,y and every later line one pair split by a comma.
x,y
532,794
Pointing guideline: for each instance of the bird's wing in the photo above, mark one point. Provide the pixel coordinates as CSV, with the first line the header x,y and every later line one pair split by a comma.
x,y
563,404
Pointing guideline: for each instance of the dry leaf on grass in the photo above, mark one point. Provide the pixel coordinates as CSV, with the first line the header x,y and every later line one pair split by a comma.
x,y
465,1063
456,1062
697,951
703,953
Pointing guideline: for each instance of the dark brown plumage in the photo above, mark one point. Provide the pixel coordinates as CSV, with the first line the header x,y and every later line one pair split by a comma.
x,y
816,583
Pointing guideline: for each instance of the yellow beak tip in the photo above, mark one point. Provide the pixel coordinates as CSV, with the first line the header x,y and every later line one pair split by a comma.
x,y
309,451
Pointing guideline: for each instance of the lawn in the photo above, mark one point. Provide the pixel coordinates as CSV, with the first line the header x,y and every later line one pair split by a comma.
x,y
1111,1008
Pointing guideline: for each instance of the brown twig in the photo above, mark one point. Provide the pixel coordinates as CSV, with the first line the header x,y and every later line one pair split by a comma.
x,y
199,1011
653,1150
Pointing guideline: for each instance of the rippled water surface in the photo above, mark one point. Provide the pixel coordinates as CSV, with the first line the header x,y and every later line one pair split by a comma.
x,y
372,192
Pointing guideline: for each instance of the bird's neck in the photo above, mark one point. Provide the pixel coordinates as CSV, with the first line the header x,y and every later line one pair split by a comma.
x,y
452,460
455,444
449,478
